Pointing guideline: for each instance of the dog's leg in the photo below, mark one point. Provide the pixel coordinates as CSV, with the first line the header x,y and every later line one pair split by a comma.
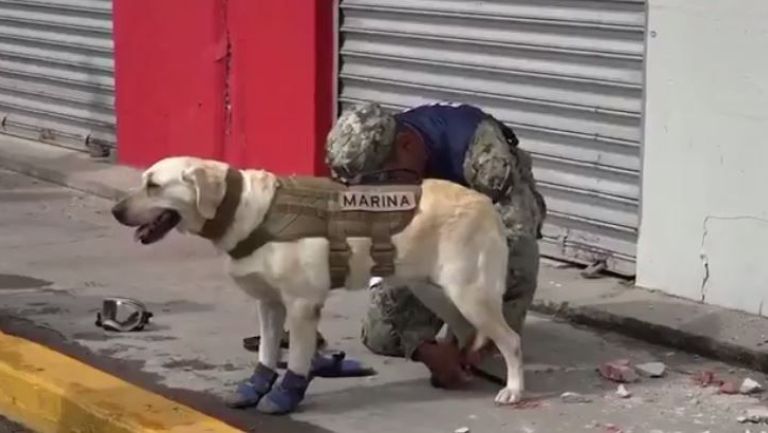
x,y
435,298
251,392
486,314
303,318
271,319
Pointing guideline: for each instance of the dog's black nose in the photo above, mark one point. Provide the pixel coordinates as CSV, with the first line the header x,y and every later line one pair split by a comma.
x,y
118,211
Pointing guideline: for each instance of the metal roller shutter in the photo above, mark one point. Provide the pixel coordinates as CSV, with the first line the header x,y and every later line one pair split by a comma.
x,y
567,75
56,72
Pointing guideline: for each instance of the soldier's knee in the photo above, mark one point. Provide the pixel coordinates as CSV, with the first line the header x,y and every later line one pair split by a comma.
x,y
381,339
522,268
518,299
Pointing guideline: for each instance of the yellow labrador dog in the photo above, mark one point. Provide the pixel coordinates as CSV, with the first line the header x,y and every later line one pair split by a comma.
x,y
455,242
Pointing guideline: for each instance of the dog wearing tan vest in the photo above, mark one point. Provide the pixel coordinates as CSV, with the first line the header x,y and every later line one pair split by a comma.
x,y
290,240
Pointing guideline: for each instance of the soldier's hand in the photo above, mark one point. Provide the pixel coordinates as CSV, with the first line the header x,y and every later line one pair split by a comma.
x,y
446,363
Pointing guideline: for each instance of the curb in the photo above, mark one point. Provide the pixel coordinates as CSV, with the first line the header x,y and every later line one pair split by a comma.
x,y
604,303
75,170
51,393
659,334
710,331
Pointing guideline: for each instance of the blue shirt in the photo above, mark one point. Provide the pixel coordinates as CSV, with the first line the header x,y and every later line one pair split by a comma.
x,y
447,131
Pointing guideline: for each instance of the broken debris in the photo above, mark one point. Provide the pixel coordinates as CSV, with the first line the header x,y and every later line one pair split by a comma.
x,y
612,428
618,371
623,392
652,369
755,415
526,404
705,378
729,387
574,397
750,386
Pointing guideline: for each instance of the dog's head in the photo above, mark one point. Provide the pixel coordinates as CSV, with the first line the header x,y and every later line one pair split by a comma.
x,y
175,192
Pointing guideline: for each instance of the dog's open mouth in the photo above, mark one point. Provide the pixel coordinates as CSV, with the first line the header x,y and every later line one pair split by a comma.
x,y
158,228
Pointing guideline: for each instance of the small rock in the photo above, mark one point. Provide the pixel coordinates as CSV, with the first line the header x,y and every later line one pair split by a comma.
x,y
757,415
461,430
741,419
729,387
526,404
573,397
652,369
618,371
612,428
705,378
750,386
623,392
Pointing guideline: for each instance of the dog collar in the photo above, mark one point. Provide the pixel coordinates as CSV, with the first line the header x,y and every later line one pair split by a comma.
x,y
215,228
135,321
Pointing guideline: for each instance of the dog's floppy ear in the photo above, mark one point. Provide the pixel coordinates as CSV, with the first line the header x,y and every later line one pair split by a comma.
x,y
210,185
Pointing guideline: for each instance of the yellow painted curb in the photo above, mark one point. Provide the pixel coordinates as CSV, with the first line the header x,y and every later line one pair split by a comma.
x,y
52,393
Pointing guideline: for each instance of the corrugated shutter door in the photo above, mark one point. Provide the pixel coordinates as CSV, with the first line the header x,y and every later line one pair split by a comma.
x,y
56,71
565,74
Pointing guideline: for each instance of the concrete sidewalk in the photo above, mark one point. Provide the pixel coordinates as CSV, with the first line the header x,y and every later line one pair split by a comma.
x,y
63,253
607,303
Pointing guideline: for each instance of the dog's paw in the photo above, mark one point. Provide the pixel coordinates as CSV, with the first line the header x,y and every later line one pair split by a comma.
x,y
286,396
508,396
250,392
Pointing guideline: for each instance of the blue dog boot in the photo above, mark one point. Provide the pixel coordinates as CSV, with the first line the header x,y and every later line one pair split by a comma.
x,y
286,396
338,365
249,393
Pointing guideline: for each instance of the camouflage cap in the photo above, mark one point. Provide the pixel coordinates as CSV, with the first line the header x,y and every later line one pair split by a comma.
x,y
360,141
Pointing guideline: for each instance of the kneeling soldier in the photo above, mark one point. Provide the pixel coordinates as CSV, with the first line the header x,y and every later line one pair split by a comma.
x,y
459,143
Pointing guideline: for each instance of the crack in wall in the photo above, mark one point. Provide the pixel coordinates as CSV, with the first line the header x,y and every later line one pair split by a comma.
x,y
705,279
704,260
703,254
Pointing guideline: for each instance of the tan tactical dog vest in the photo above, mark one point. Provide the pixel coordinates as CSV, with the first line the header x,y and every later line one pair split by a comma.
x,y
305,207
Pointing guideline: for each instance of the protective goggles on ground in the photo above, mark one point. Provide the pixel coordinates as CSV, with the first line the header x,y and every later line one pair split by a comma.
x,y
122,315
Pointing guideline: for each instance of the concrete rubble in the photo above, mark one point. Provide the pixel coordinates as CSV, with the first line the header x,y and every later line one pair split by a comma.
x,y
750,386
756,415
729,387
652,369
573,397
620,370
623,392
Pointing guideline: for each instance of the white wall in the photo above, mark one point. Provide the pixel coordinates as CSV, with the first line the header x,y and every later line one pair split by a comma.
x,y
704,223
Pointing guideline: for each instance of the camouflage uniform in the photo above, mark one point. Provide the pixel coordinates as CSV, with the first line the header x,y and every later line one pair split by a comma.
x,y
396,321
367,125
